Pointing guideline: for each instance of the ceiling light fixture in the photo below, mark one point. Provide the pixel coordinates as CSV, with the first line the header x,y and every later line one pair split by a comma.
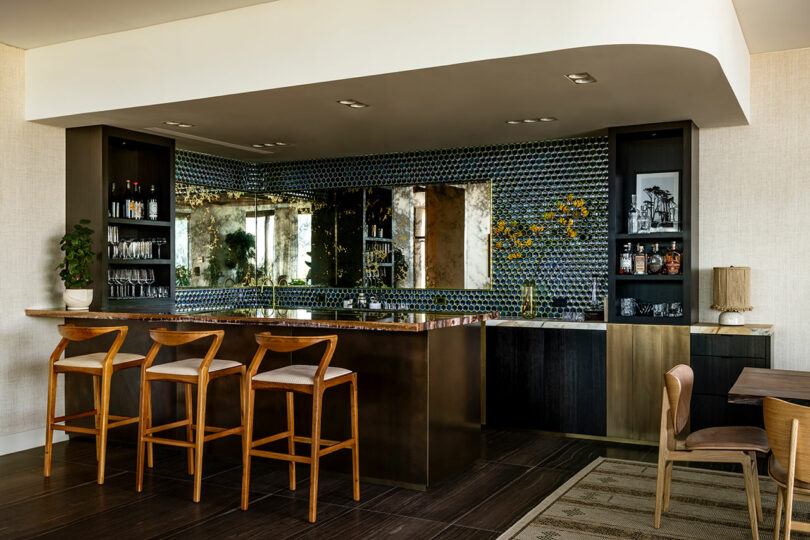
x,y
532,120
257,145
184,125
581,78
352,103
281,144
171,123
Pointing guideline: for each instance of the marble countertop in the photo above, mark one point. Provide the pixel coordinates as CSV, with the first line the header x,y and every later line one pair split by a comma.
x,y
697,328
400,321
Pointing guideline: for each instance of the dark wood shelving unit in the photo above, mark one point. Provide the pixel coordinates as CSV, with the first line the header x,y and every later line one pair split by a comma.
x,y
97,156
377,208
633,150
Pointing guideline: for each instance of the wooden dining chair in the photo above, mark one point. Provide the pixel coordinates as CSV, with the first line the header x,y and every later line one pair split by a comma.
x,y
788,427
99,365
305,379
192,372
737,444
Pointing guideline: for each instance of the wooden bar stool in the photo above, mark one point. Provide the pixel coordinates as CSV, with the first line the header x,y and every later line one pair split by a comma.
x,y
312,380
100,366
191,371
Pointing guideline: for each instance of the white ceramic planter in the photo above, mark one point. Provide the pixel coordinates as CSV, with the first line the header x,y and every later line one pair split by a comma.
x,y
78,299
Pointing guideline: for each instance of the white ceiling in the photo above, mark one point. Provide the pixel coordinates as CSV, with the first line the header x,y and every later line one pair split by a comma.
x,y
774,25
450,106
35,23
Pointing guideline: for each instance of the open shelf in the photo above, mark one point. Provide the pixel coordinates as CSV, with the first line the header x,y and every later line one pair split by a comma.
x,y
142,222
376,239
139,262
649,277
651,236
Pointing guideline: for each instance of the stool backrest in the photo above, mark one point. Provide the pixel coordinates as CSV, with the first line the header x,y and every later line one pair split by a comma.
x,y
787,424
72,332
285,344
174,338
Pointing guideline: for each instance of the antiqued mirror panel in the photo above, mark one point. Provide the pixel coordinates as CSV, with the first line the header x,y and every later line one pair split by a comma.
x,y
435,236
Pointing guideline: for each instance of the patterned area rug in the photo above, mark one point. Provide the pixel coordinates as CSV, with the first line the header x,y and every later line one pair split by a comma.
x,y
612,498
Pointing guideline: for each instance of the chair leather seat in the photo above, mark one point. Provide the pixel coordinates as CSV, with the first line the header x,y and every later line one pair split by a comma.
x,y
96,360
191,366
780,475
298,374
744,438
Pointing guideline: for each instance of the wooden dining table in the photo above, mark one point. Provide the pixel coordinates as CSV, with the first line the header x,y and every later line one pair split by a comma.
x,y
755,384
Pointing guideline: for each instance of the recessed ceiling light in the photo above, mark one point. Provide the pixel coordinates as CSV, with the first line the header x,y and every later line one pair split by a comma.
x,y
581,78
548,118
281,144
269,144
353,103
529,120
532,120
514,122
185,125
171,123
257,145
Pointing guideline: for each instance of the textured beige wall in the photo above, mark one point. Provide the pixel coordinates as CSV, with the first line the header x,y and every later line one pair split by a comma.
x,y
755,202
32,217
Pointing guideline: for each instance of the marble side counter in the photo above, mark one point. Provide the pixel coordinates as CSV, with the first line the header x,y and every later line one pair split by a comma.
x,y
697,328
343,319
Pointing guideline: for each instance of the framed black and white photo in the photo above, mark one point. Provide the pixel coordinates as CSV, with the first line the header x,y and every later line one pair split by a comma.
x,y
658,199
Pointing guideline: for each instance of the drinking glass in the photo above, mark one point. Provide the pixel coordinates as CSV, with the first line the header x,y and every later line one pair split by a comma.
x,y
160,242
149,279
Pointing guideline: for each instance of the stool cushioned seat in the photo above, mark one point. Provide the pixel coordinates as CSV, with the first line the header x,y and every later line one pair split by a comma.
x,y
96,360
744,438
191,366
298,374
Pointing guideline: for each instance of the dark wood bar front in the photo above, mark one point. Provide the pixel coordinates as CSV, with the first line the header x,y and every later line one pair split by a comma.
x,y
419,384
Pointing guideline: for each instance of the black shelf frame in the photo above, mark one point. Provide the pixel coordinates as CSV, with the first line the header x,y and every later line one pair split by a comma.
x,y
96,156
670,146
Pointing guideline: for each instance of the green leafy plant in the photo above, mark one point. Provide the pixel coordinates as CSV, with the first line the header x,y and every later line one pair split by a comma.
x,y
182,276
297,282
78,248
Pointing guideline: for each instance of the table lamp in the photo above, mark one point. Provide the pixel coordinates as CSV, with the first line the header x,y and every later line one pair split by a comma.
x,y
732,294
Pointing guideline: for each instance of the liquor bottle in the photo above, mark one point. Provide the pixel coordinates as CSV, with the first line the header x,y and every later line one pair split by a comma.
x,y
673,259
115,204
137,198
626,260
152,204
640,261
632,217
655,262
128,202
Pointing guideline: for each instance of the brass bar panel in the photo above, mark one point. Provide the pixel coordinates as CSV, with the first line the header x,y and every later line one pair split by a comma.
x,y
619,380
648,381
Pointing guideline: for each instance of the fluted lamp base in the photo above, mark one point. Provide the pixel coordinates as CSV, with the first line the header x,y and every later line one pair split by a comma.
x,y
731,318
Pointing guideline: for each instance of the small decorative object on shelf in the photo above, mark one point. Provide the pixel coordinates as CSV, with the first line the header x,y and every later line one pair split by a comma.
x,y
75,268
673,259
626,260
640,261
731,294
655,262
627,307
528,310
632,217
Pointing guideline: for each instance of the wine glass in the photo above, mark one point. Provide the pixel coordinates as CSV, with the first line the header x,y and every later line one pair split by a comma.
x,y
149,279
111,281
160,242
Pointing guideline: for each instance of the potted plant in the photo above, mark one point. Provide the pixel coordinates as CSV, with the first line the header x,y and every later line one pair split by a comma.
x,y
75,268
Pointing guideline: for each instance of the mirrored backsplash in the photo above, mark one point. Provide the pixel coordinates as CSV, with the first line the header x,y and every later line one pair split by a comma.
x,y
271,222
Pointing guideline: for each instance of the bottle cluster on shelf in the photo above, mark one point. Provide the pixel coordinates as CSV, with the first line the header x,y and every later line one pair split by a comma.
x,y
656,215
653,263
131,203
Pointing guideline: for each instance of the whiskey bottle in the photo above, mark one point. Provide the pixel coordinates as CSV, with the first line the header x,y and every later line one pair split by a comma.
x,y
152,204
640,261
115,203
626,260
655,262
673,259
632,217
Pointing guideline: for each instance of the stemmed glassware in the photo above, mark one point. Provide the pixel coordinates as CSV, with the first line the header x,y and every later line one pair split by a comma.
x,y
134,283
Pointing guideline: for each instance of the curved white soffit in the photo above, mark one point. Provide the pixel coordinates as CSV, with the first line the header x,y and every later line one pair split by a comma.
x,y
298,42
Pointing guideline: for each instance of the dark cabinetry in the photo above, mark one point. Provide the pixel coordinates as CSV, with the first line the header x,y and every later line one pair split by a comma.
x,y
546,379
97,157
717,362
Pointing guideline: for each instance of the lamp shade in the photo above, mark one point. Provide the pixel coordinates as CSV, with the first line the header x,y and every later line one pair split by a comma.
x,y
732,289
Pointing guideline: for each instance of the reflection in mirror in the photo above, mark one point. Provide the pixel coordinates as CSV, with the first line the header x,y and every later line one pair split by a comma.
x,y
423,236
215,239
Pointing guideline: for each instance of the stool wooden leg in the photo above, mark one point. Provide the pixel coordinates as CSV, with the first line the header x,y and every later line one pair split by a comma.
x,y
49,421
290,438
106,379
250,396
757,494
356,444
317,398
189,431
202,390
144,413
150,456
667,485
777,515
97,416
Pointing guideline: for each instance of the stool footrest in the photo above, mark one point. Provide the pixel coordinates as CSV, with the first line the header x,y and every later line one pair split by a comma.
x,y
348,443
169,442
278,455
124,420
164,427
75,429
75,416
308,440
223,433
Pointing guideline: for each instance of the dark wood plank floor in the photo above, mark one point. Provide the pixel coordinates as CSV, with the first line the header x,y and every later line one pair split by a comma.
x,y
517,470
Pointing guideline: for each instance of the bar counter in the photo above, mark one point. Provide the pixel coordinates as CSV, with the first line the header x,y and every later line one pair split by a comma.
x,y
419,382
